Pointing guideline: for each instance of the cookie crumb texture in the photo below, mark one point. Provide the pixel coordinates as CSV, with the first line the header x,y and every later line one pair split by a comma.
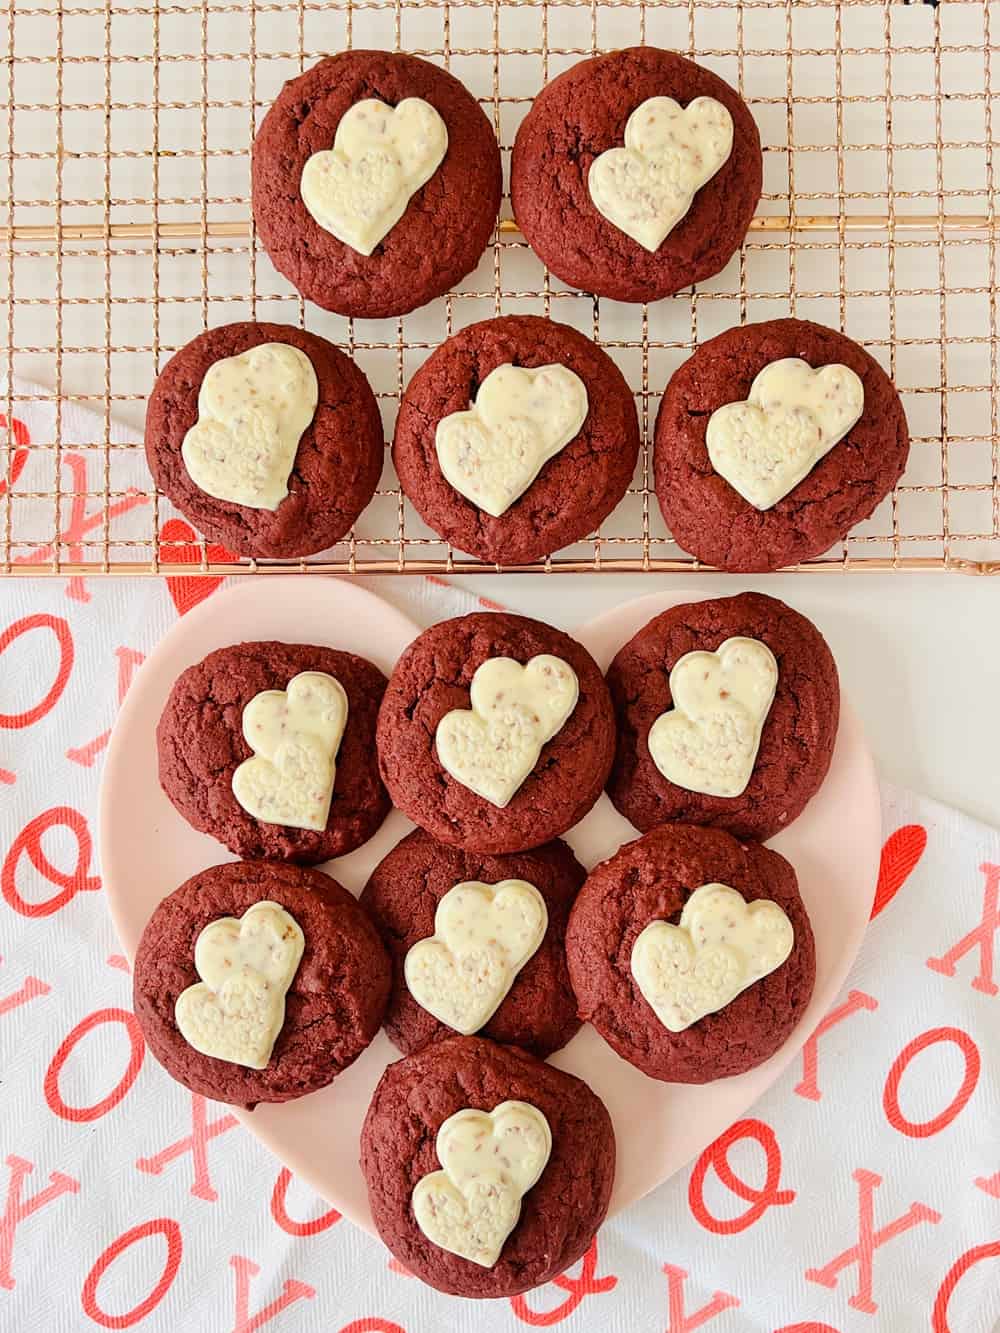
x,y
539,1011
650,880
432,677
574,492
559,1215
200,743
337,465
797,739
447,222
581,114
711,520
333,1007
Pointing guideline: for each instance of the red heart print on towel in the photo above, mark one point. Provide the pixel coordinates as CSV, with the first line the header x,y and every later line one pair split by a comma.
x,y
179,546
902,850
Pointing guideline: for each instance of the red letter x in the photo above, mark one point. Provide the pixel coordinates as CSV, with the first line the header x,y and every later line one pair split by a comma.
x,y
32,989
202,1131
981,935
808,1087
292,1291
869,1240
15,1211
684,1323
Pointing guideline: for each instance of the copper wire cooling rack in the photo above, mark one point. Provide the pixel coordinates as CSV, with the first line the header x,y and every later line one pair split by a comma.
x,y
125,181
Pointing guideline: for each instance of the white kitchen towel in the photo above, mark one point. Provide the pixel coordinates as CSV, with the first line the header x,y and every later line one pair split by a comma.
x,y
861,1193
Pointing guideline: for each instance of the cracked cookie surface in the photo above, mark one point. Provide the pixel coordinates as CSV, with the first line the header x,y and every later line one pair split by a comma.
x,y
200,743
575,490
447,222
797,737
538,1013
707,516
581,114
433,677
337,464
559,1214
650,880
333,1006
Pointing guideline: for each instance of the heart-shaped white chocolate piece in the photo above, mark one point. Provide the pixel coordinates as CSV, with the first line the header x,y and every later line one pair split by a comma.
x,y
521,418
295,734
246,967
252,410
722,945
483,935
516,710
490,1160
765,445
381,156
670,152
708,741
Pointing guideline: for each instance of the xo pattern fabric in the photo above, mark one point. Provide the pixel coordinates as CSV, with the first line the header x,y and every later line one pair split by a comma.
x,y
861,1193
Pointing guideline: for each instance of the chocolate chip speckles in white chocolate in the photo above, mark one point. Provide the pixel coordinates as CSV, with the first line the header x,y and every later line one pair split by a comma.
x,y
792,418
483,936
721,946
381,156
521,418
237,1009
295,734
708,741
252,410
490,1160
670,152
515,710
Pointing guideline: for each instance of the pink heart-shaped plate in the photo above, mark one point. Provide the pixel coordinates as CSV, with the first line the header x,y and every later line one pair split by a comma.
x,y
147,850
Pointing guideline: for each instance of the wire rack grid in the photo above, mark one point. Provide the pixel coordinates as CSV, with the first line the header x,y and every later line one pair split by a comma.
x,y
125,182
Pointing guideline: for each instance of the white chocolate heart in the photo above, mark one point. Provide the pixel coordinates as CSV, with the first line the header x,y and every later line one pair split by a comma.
x,y
381,156
708,741
483,936
765,445
516,710
246,967
490,1160
722,945
252,410
295,734
670,152
521,418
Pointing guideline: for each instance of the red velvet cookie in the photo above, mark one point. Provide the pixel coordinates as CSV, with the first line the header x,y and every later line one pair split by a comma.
x,y
446,224
538,1012
433,678
575,490
337,464
796,740
580,115
559,1214
712,520
200,744
333,1006
650,880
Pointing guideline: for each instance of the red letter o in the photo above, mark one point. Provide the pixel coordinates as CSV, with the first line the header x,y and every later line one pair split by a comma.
x,y
811,1327
60,628
939,1317
80,1114
29,841
924,1129
371,1325
280,1214
717,1155
163,1226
